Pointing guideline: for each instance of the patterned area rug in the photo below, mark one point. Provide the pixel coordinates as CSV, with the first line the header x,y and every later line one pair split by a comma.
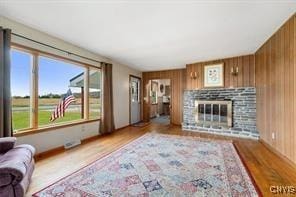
x,y
161,165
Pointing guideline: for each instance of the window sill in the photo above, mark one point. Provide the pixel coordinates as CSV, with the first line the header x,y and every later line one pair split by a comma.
x,y
45,129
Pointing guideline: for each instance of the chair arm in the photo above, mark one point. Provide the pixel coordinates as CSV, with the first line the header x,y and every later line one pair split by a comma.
x,y
5,179
6,144
15,162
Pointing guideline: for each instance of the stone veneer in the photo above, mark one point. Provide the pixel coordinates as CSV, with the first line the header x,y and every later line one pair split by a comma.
x,y
243,110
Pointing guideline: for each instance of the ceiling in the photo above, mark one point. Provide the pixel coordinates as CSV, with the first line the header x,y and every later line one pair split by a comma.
x,y
156,35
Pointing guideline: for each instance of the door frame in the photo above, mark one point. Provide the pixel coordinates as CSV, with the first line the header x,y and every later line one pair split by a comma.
x,y
130,99
149,82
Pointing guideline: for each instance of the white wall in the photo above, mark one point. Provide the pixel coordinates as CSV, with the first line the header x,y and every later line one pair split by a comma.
x,y
55,138
48,140
121,93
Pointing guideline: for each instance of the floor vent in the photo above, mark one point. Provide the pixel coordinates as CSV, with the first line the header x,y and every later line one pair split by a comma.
x,y
72,144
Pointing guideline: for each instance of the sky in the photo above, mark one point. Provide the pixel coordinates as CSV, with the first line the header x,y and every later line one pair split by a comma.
x,y
54,75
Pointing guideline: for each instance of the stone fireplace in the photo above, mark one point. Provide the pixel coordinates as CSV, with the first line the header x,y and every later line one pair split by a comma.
x,y
226,111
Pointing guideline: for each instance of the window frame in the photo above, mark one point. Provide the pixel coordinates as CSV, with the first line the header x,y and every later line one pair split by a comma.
x,y
88,108
34,81
31,107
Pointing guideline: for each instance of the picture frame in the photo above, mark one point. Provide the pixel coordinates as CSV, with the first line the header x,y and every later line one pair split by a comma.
x,y
214,75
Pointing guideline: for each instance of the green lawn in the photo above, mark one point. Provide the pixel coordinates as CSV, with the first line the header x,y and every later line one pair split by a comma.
x,y
44,116
21,119
21,114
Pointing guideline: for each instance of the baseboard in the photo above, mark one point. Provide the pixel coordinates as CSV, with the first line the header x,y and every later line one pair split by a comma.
x,y
49,153
135,123
120,128
176,124
61,149
279,154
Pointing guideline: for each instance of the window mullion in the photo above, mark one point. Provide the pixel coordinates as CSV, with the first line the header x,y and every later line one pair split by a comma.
x,y
34,93
86,94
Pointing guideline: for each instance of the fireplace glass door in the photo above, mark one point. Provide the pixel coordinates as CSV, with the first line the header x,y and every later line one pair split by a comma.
x,y
214,113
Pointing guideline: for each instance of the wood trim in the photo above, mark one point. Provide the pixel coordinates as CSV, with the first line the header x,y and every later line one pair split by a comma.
x,y
86,95
120,128
49,153
61,149
276,152
177,79
44,129
135,77
51,55
140,100
34,92
35,53
129,99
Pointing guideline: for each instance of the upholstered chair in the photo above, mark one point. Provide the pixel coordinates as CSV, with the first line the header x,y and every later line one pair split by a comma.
x,y
16,167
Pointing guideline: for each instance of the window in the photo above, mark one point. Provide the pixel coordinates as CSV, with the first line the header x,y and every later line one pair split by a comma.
x,y
94,93
55,79
21,65
135,87
41,82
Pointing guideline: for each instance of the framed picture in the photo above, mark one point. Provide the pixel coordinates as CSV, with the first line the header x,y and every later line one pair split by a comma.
x,y
214,75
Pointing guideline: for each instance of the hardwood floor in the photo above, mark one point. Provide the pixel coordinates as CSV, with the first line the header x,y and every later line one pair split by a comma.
x,y
266,167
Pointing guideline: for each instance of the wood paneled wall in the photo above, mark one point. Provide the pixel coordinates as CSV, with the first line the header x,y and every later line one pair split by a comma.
x,y
177,78
274,68
244,78
276,90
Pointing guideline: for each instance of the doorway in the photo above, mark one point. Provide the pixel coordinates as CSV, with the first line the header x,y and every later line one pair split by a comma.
x,y
160,101
135,99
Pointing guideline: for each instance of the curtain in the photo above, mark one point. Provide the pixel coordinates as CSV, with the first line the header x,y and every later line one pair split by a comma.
x,y
5,97
107,117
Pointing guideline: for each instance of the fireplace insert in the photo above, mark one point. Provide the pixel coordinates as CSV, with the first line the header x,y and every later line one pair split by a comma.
x,y
213,112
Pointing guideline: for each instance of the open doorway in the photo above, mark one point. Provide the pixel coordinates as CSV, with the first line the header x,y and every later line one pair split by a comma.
x,y
160,101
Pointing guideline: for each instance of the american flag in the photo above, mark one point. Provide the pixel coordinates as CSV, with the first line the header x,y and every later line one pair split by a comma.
x,y
60,109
